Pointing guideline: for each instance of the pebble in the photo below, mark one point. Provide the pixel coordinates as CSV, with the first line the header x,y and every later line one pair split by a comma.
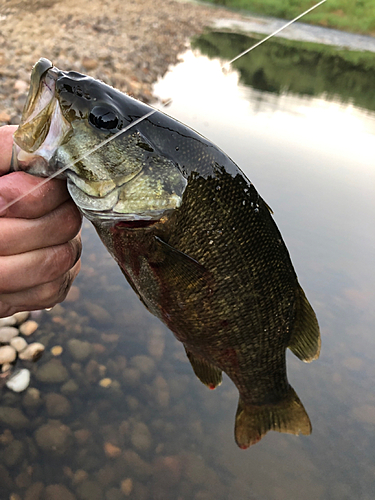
x,y
69,387
7,354
97,312
33,352
57,405
56,350
7,333
141,436
52,372
126,486
19,343
58,492
19,381
21,317
79,349
145,364
105,382
6,367
32,398
8,321
13,418
35,491
29,327
54,438
13,453
111,450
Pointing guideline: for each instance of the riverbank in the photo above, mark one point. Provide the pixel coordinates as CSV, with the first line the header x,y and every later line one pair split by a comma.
x,y
354,17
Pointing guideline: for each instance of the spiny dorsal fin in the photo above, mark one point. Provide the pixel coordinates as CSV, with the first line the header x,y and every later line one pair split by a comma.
x,y
207,373
253,422
305,338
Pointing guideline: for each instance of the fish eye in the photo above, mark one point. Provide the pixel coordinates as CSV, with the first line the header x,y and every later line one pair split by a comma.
x,y
103,118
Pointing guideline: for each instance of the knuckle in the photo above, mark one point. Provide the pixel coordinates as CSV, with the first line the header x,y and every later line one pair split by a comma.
x,y
60,259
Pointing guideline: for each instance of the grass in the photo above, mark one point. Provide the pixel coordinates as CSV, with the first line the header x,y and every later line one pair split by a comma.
x,y
356,16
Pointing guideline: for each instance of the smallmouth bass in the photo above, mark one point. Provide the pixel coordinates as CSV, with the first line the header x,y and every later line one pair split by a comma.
x,y
189,231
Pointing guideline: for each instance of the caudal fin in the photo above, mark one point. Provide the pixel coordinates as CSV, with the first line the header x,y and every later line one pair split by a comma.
x,y
253,422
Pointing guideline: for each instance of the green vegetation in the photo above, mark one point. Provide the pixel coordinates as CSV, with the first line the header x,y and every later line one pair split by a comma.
x,y
301,68
357,16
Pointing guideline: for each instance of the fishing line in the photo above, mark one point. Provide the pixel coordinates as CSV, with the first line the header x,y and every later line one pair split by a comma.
x,y
106,141
272,34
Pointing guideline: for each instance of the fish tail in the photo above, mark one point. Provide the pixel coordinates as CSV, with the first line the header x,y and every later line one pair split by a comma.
x,y
253,422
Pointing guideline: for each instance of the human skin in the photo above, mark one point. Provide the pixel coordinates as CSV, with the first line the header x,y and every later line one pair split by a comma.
x,y
40,244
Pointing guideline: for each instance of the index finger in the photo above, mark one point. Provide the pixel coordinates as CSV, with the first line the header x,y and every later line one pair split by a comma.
x,y
6,142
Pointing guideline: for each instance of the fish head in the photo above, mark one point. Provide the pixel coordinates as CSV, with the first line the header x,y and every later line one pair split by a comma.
x,y
76,123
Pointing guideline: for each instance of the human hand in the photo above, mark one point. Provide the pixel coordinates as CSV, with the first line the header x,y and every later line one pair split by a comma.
x,y
40,243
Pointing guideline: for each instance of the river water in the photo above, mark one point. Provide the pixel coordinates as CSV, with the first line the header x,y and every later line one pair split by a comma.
x,y
152,431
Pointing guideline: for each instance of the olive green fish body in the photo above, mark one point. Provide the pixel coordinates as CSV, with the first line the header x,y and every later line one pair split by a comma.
x,y
191,234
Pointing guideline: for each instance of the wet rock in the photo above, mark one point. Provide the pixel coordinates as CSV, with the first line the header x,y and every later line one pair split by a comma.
x,y
79,349
58,492
127,486
29,327
54,438
35,491
57,405
131,376
167,471
105,382
56,350
32,398
82,435
13,418
79,476
111,451
21,317
7,333
98,312
13,453
52,372
69,387
33,352
144,364
7,354
140,436
19,381
8,321
89,490
19,343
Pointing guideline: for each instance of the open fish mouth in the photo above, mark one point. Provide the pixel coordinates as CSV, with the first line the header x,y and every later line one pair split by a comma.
x,y
43,126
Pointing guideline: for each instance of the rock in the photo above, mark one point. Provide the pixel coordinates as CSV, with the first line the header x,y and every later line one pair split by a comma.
x,y
82,435
35,491
29,327
19,381
8,321
21,317
79,476
126,486
7,354
131,376
89,490
57,405
33,352
32,398
144,364
52,372
6,367
56,350
141,436
69,387
53,438
13,453
79,349
4,117
58,492
13,418
7,333
98,312
19,343
105,382
111,451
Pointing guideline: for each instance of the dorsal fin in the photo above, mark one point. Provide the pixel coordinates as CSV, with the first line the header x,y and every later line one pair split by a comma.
x,y
207,373
305,337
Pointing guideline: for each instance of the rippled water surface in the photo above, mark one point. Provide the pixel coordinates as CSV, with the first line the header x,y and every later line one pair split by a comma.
x,y
134,421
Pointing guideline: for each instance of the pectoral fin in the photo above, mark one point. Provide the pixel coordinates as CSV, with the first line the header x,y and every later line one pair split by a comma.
x,y
253,422
207,373
305,338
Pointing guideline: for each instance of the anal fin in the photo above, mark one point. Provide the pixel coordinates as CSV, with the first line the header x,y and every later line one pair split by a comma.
x,y
305,338
253,422
207,373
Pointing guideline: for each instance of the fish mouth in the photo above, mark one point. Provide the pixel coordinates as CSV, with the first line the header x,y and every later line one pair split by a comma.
x,y
43,126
